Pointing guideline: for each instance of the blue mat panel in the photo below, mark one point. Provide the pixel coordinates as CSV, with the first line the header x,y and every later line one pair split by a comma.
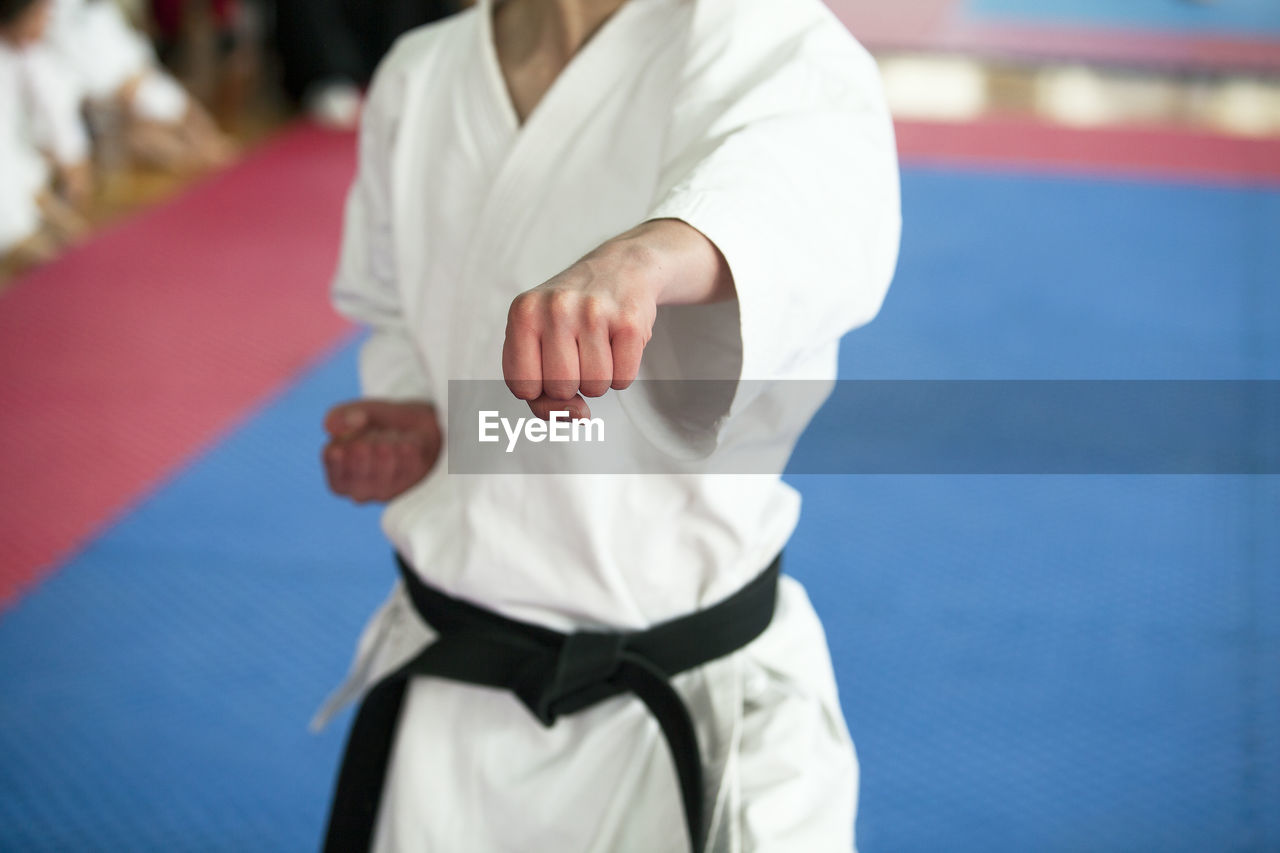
x,y
157,689
1062,663
1018,277
1241,18
1026,663
1053,664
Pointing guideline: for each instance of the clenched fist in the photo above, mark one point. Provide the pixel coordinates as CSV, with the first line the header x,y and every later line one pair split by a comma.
x,y
378,450
583,332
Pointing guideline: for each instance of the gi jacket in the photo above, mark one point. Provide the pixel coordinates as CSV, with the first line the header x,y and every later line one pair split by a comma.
x,y
761,124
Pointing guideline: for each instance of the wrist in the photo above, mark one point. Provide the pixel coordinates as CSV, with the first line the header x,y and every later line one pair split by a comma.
x,y
679,265
636,258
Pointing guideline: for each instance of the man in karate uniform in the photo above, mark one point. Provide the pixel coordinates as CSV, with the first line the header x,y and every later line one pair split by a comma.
x,y
568,195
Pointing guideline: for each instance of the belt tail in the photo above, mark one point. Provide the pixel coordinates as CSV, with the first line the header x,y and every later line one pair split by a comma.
x,y
654,688
354,811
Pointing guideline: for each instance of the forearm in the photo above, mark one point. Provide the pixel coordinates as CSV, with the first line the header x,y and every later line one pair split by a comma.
x,y
679,264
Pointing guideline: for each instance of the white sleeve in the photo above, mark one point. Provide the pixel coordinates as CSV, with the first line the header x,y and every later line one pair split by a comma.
x,y
96,41
782,153
19,216
365,288
58,122
160,98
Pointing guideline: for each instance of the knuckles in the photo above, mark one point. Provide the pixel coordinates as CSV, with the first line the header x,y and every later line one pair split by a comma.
x,y
524,310
566,308
628,323
595,313
561,306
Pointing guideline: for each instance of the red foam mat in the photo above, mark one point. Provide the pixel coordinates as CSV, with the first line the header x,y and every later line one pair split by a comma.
x,y
129,354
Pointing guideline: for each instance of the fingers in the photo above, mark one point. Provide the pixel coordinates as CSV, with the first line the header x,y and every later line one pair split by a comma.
x,y
595,358
627,345
378,465
347,467
560,361
561,343
333,457
522,350
379,449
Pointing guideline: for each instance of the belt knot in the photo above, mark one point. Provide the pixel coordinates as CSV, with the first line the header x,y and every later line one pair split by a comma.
x,y
566,679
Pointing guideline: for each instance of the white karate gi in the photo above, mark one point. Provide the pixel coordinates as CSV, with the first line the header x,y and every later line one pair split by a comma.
x,y
103,52
39,111
761,123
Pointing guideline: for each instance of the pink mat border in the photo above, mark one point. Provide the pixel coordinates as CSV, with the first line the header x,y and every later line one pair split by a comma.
x,y
938,25
132,353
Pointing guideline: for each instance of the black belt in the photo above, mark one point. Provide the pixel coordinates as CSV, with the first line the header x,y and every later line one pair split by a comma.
x,y
552,674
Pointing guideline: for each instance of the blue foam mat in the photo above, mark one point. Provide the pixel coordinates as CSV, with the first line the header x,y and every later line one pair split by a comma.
x,y
157,689
1026,663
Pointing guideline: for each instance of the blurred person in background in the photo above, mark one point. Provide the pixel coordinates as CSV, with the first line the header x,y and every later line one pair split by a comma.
x,y
170,17
707,190
44,149
329,48
116,69
216,48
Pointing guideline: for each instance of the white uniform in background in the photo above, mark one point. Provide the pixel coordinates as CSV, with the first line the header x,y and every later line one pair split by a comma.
x,y
761,123
39,111
104,52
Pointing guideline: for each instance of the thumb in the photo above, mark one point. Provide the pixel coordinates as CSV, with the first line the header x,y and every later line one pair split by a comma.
x,y
346,419
543,406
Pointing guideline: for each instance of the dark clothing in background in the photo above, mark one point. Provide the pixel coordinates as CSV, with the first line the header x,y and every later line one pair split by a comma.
x,y
168,16
334,40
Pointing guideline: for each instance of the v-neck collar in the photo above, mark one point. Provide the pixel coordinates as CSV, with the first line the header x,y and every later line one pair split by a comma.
x,y
622,44
586,56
